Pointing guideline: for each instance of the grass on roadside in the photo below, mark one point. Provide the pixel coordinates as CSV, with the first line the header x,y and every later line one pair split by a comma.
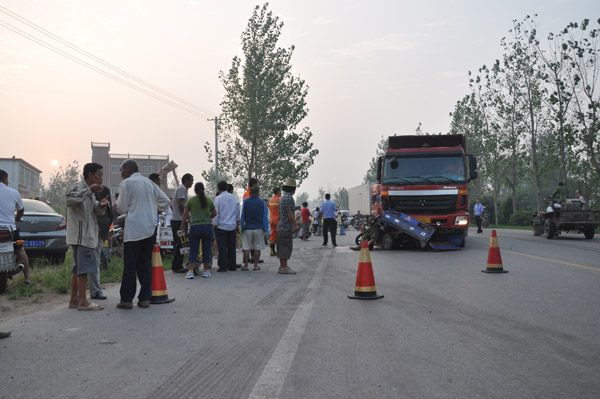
x,y
57,278
502,226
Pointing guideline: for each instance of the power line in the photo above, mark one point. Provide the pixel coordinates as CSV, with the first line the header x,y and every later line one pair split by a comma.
x,y
97,59
96,69
198,111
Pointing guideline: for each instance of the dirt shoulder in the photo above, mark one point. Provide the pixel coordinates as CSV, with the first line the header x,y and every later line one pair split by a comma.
x,y
42,301
10,308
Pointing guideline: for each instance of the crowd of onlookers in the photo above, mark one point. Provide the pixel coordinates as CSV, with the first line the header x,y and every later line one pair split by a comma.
x,y
200,225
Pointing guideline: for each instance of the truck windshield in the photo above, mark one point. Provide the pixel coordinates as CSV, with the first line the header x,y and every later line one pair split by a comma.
x,y
423,169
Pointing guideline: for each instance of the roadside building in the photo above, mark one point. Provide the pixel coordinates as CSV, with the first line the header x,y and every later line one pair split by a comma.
x,y
111,164
22,176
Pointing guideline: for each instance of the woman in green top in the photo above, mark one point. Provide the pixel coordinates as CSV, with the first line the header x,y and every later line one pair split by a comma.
x,y
202,210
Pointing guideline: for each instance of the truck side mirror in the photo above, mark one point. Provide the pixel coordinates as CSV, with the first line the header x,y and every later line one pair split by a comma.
x,y
472,167
379,169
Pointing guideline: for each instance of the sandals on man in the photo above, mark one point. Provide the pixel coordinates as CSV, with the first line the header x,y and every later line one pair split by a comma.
x,y
245,269
92,306
256,268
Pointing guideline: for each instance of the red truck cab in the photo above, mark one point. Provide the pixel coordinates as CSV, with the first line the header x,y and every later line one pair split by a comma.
x,y
427,177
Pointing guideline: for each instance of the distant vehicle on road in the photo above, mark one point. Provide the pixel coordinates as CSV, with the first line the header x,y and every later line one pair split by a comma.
x,y
569,216
44,231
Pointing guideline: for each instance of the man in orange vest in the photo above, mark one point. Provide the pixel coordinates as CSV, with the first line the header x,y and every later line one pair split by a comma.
x,y
251,183
273,205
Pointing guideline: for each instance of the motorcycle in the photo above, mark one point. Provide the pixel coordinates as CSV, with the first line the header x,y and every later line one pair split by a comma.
x,y
9,266
357,221
485,220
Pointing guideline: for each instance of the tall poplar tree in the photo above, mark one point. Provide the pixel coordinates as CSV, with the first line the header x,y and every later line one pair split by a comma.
x,y
262,108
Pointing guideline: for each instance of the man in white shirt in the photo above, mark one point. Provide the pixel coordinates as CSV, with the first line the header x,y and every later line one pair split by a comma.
x,y
226,223
10,201
140,199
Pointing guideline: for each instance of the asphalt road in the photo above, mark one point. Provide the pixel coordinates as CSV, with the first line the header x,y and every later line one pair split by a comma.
x,y
443,330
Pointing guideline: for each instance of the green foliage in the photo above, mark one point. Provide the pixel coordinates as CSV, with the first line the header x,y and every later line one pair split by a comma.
x,y
210,183
60,183
505,210
300,198
533,119
57,278
371,175
262,108
521,218
341,198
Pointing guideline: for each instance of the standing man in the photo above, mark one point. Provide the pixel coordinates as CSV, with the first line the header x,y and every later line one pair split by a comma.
x,y
329,210
560,193
581,199
140,199
83,234
317,222
274,209
10,201
104,222
255,223
305,221
286,227
251,183
478,210
226,223
178,206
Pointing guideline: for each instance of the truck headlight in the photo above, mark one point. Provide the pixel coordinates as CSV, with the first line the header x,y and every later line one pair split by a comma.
x,y
461,221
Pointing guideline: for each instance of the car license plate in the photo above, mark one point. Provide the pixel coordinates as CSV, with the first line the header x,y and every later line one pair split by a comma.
x,y
424,220
6,247
34,243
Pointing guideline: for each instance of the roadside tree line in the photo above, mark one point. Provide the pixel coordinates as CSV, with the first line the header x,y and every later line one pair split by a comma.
x,y
532,117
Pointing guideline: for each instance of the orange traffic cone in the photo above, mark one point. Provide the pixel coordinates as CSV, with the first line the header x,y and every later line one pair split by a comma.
x,y
494,263
365,281
159,286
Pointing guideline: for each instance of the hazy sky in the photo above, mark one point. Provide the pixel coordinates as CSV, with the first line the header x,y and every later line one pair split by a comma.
x,y
374,68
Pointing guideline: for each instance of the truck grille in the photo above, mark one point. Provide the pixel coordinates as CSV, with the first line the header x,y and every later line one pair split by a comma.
x,y
427,204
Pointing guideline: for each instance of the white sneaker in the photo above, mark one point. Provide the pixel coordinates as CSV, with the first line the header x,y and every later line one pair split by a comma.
x,y
205,274
190,276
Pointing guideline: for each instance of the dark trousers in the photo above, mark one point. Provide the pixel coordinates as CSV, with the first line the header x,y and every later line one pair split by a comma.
x,y
226,246
331,226
478,221
137,261
177,256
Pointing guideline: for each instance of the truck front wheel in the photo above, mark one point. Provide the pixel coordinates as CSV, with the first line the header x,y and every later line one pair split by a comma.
x,y
549,228
589,232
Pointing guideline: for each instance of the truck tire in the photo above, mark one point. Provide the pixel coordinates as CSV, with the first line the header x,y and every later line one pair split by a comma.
x,y
387,241
589,232
549,229
2,282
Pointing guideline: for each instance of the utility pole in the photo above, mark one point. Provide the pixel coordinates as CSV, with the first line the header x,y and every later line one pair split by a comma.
x,y
216,119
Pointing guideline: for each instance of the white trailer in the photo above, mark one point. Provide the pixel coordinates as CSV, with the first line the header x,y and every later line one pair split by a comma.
x,y
359,199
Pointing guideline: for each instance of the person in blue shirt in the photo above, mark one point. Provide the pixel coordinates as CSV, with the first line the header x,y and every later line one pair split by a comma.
x,y
329,212
478,210
255,223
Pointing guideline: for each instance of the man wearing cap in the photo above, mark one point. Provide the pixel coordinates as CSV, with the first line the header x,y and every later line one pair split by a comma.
x,y
286,226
